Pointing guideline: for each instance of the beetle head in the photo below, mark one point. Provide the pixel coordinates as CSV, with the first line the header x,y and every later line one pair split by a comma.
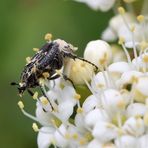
x,y
21,87
65,47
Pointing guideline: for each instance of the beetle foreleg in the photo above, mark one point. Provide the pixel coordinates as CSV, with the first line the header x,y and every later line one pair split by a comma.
x,y
68,79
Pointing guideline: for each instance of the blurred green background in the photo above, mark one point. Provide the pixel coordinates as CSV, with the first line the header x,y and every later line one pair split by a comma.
x,y
23,24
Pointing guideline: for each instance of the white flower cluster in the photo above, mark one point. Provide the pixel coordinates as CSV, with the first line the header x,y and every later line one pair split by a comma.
x,y
114,115
112,111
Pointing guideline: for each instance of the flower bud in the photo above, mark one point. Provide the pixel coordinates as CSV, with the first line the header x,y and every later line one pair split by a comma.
x,y
98,52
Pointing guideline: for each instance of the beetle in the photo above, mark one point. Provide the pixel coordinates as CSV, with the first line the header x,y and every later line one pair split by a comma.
x,y
48,59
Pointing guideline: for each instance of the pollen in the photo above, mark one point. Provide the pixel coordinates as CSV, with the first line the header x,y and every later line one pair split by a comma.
x,y
44,100
140,18
35,127
121,40
75,136
143,45
59,72
67,136
134,79
120,132
102,61
28,60
132,28
146,119
145,58
53,122
121,10
61,85
79,110
41,81
100,85
36,49
82,141
77,96
46,75
109,125
21,104
121,104
35,96
48,37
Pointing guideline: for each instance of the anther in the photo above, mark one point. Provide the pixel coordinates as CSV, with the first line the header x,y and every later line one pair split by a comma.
x,y
20,104
145,58
79,110
44,100
46,75
59,72
121,10
121,40
48,37
140,18
28,60
77,96
41,81
35,127
35,96
35,49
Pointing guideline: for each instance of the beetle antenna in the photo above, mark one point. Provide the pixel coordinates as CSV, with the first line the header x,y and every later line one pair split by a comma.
x,y
88,62
14,83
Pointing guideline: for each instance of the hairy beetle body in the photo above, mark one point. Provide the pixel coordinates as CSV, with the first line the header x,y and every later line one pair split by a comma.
x,y
48,59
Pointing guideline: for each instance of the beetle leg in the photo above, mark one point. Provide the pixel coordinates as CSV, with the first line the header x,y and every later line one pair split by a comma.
x,y
54,77
64,77
68,79
44,94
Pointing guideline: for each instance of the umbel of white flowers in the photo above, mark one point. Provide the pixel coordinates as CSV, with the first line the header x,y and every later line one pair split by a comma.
x,y
111,112
115,114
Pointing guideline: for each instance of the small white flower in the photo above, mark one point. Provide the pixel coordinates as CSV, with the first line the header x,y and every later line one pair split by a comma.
x,y
95,116
103,5
79,120
112,101
114,26
98,52
59,136
136,109
104,131
116,69
45,137
143,143
109,35
134,126
141,89
142,62
43,116
126,141
129,77
100,81
90,103
118,54
65,110
95,144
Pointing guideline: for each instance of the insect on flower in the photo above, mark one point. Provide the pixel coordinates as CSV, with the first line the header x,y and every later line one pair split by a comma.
x,y
45,63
